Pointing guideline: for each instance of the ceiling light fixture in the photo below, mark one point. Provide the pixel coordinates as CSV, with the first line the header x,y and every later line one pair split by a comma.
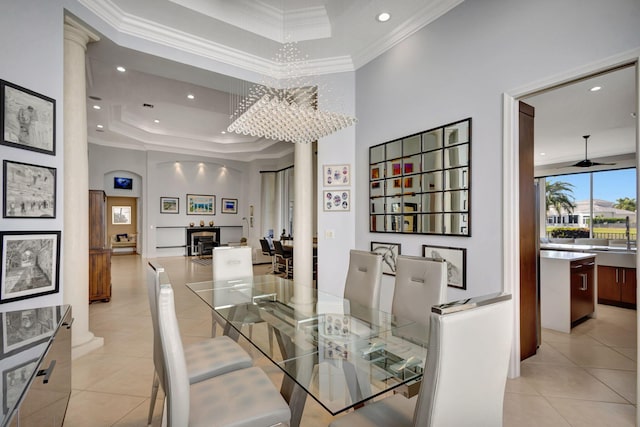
x,y
286,108
383,16
96,107
100,126
595,88
156,121
191,96
121,68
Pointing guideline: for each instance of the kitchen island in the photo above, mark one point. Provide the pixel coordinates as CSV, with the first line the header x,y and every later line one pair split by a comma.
x,y
568,288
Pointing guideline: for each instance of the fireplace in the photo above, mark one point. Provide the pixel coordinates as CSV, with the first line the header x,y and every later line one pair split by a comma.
x,y
195,234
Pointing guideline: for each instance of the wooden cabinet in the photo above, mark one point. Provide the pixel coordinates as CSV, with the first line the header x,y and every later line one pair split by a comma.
x,y
582,285
99,252
617,286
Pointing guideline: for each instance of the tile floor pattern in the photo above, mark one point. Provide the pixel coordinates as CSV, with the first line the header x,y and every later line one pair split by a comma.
x,y
586,378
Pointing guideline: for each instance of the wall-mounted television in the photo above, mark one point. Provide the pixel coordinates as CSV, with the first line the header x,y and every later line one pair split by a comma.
x,y
123,183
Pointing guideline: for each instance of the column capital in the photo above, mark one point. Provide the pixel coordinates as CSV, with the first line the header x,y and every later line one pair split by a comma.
x,y
78,33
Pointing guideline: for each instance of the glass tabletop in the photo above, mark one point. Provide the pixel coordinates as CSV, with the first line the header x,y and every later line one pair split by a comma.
x,y
340,352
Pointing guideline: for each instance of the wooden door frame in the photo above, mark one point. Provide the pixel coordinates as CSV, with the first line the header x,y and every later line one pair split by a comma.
x,y
510,182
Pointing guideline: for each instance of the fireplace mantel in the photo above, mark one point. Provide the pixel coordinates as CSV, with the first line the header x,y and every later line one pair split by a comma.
x,y
191,241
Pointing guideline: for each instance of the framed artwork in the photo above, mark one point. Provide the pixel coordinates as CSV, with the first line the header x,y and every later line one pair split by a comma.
x,y
29,191
337,201
456,259
120,215
229,206
28,119
389,252
14,380
201,204
336,175
169,205
30,264
375,173
25,328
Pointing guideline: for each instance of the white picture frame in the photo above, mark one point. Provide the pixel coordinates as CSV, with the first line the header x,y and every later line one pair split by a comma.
x,y
336,175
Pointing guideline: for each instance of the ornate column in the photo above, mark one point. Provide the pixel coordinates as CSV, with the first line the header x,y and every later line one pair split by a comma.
x,y
75,237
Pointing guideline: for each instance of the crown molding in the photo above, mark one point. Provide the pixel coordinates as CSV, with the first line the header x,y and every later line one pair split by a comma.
x,y
420,19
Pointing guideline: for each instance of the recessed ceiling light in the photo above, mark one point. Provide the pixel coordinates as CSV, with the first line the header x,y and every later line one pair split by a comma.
x,y
96,107
383,17
121,68
223,132
634,115
595,88
156,121
543,154
191,96
100,126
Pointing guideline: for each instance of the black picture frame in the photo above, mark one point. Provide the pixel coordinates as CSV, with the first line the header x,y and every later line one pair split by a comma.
x,y
456,259
27,119
29,191
229,206
169,205
389,252
30,264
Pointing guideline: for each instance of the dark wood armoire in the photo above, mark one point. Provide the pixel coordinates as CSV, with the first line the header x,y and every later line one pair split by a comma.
x,y
99,251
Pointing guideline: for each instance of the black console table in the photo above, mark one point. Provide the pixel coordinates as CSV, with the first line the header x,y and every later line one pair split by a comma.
x,y
194,234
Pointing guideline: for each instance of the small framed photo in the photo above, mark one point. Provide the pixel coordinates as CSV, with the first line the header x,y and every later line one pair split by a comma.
x,y
201,204
29,190
229,206
30,264
25,328
389,252
456,259
337,201
336,175
28,119
169,205
120,215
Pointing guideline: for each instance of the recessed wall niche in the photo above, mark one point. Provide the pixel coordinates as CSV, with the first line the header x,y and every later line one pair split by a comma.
x,y
420,183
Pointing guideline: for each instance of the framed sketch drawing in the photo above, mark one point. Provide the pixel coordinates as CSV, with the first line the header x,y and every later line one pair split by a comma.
x,y
29,191
169,205
120,215
229,206
456,259
25,328
30,264
337,201
28,119
336,175
201,204
389,252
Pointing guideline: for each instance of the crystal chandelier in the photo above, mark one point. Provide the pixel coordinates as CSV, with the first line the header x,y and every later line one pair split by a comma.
x,y
286,108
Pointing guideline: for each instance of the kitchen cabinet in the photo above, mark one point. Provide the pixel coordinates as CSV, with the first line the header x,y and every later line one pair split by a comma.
x,y
617,286
568,288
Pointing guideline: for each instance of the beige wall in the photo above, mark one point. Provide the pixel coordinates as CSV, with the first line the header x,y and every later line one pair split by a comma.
x,y
121,228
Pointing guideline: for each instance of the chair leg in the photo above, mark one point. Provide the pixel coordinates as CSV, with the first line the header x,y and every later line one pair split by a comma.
x,y
154,395
213,326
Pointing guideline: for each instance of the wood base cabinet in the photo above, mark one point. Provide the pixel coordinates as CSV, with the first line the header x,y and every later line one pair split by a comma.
x,y
617,286
99,275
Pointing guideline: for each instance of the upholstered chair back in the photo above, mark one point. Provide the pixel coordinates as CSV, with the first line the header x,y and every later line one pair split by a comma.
x,y
153,287
363,280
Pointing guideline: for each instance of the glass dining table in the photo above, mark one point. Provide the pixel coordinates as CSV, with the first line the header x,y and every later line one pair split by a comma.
x,y
340,353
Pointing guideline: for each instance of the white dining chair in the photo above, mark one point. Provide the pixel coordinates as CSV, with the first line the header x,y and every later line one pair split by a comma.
x,y
464,375
244,397
420,284
364,276
205,359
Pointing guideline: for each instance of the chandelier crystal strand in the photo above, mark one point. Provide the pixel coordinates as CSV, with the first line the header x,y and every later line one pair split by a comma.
x,y
285,108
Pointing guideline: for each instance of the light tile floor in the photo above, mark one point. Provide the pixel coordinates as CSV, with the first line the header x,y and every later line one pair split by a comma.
x,y
586,378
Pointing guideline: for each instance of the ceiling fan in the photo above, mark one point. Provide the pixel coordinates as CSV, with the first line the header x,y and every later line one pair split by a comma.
x,y
586,163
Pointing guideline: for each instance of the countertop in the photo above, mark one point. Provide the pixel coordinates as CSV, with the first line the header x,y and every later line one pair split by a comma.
x,y
582,248
566,256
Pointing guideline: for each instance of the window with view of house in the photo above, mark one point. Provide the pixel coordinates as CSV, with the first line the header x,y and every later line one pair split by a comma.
x,y
595,204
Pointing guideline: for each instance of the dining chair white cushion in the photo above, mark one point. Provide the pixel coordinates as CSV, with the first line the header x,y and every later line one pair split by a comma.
x,y
364,276
240,398
231,262
420,284
464,376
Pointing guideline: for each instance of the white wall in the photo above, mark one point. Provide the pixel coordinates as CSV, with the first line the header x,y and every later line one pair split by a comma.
x,y
31,42
458,67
